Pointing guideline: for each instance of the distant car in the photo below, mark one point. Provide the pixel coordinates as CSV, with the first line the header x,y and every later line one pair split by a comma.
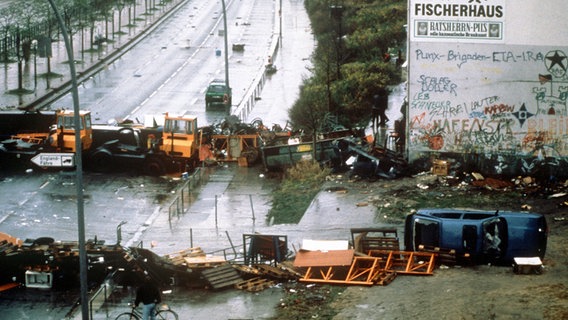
x,y
488,236
218,94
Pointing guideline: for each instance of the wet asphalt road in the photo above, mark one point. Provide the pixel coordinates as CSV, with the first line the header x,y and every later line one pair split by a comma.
x,y
40,204
234,201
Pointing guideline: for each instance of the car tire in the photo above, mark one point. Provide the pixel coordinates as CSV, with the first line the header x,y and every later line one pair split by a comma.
x,y
154,167
251,154
101,162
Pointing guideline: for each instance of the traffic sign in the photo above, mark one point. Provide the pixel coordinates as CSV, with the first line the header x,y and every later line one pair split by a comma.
x,y
54,159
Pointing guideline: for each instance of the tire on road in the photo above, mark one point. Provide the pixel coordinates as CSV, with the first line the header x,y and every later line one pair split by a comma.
x,y
101,162
166,315
126,316
251,154
154,167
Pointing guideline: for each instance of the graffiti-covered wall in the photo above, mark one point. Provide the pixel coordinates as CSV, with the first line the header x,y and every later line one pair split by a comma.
x,y
485,88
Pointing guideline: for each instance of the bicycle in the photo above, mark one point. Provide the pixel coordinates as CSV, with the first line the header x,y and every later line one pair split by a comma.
x,y
163,312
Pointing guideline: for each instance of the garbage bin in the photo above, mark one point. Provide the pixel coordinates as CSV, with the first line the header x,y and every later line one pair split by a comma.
x,y
218,52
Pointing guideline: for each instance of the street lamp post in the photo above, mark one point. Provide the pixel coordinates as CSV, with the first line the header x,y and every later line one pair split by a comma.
x,y
78,170
337,15
226,45
34,50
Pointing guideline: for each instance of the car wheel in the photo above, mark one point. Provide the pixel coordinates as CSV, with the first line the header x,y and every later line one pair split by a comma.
x,y
251,154
154,167
101,162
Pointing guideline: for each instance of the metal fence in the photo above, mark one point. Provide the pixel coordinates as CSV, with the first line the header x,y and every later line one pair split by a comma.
x,y
184,194
99,299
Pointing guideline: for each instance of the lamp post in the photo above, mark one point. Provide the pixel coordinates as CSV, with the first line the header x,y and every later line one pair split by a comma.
x,y
78,170
226,45
337,15
34,50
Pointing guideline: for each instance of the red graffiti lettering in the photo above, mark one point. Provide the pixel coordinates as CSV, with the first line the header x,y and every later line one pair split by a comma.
x,y
498,109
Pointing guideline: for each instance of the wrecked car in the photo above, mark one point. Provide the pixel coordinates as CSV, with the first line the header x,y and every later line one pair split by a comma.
x,y
376,162
485,236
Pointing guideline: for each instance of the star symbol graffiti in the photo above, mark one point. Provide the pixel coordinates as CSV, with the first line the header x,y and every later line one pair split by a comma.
x,y
556,59
522,115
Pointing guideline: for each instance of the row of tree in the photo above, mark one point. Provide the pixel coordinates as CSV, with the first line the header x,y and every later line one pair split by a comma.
x,y
22,22
359,53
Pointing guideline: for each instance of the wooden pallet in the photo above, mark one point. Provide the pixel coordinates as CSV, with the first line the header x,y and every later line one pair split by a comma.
x,y
250,270
222,276
446,256
255,284
274,272
178,258
204,262
365,239
288,266
384,277
380,244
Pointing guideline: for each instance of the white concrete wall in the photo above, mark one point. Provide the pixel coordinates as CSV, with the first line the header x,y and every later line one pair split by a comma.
x,y
501,96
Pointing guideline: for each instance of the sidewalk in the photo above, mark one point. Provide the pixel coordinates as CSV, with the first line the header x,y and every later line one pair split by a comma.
x,y
38,88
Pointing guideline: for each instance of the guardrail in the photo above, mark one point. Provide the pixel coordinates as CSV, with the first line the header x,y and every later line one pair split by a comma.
x,y
245,106
100,297
97,300
183,196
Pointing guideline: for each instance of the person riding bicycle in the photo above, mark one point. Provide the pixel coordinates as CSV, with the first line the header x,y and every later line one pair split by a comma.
x,y
149,295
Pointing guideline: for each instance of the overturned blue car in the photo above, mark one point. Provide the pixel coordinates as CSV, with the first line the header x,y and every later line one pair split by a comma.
x,y
485,236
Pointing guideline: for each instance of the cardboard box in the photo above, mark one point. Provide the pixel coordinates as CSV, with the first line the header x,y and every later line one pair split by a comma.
x,y
440,167
531,265
243,162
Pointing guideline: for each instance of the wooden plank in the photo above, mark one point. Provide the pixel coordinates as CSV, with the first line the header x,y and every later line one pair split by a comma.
x,y
190,252
204,261
275,272
324,258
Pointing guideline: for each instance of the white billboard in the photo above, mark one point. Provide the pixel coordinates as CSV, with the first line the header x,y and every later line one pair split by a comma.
x,y
483,87
457,21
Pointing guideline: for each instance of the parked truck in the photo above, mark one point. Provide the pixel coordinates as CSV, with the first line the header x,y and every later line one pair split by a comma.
x,y
57,137
150,150
177,145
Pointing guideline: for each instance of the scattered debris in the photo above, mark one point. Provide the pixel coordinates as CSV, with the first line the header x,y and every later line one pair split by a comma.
x,y
532,265
238,47
255,284
440,167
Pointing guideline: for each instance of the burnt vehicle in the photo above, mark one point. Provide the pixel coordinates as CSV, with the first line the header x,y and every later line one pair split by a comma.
x,y
280,157
486,236
120,148
45,263
373,162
